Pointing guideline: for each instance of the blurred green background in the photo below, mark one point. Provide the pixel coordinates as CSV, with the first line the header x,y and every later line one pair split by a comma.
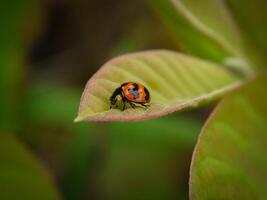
x,y
49,49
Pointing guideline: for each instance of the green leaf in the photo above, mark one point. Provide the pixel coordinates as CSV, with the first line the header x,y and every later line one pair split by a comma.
x,y
175,82
229,161
251,18
78,162
51,103
149,159
18,27
182,132
21,177
204,28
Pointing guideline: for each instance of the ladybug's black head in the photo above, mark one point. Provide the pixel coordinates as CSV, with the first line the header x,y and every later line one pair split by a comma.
x,y
116,96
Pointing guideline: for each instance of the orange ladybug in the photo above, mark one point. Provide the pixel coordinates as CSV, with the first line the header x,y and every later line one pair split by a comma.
x,y
132,93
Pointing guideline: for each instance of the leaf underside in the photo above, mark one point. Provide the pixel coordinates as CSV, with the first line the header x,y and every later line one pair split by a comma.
x,y
229,161
175,82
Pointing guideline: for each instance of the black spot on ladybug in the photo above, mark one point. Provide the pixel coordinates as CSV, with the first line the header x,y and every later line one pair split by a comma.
x,y
147,94
135,86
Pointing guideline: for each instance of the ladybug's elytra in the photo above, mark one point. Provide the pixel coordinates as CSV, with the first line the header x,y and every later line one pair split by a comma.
x,y
132,93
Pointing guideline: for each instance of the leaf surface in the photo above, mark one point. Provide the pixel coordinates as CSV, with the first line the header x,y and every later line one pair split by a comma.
x,y
21,177
175,82
229,160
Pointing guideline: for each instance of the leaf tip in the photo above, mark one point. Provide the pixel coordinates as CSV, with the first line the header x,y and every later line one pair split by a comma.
x,y
78,119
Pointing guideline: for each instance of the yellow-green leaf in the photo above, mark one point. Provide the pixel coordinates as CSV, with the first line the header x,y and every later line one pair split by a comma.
x,y
230,160
175,82
204,28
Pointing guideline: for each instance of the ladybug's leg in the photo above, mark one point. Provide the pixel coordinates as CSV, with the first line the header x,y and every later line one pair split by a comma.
x,y
145,105
124,101
132,105
123,108
113,103
111,106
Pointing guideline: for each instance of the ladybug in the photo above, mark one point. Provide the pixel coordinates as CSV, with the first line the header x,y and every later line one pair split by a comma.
x,y
131,93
